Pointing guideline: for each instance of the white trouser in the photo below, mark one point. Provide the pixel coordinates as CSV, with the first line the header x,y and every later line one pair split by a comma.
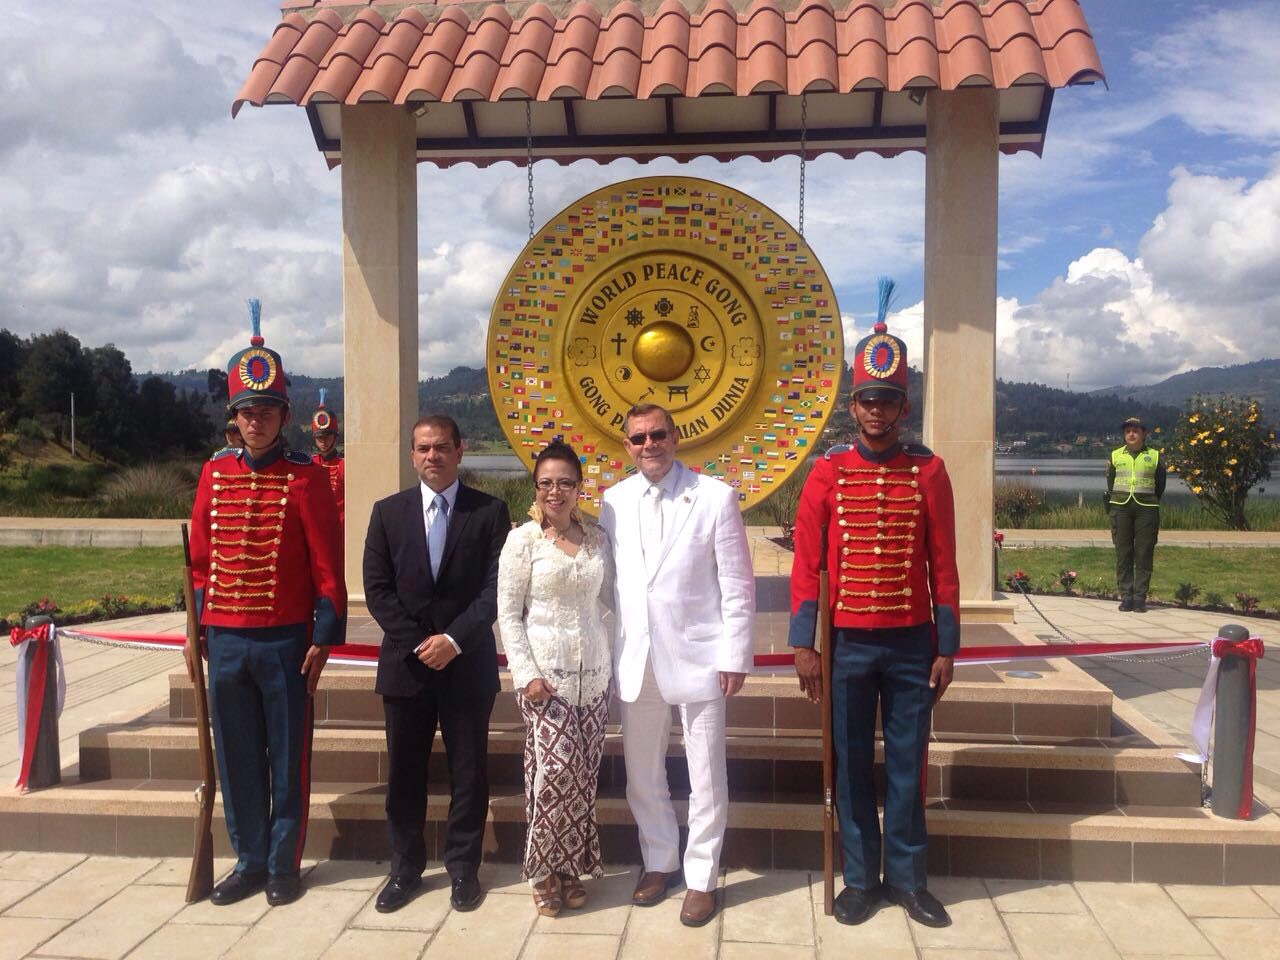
x,y
646,728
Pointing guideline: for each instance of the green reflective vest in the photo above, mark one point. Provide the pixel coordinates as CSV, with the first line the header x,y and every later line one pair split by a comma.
x,y
1135,476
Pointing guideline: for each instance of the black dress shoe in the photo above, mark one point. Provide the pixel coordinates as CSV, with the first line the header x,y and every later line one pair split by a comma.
x,y
236,887
397,892
921,906
1139,604
466,894
282,889
854,906
1126,605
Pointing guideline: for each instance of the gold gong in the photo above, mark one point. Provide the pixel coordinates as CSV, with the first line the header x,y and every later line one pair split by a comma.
x,y
675,291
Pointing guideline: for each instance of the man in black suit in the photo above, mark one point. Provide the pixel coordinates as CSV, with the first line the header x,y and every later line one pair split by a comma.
x,y
430,580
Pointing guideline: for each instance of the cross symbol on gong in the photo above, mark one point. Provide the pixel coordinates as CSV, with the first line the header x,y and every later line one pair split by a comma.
x,y
617,341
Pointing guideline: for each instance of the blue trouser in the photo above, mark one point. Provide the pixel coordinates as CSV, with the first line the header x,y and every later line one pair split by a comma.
x,y
889,667
262,720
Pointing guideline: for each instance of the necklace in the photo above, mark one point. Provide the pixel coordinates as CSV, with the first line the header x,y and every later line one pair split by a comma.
x,y
555,534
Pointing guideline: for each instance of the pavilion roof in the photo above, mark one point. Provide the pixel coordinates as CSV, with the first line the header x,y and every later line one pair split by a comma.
x,y
676,77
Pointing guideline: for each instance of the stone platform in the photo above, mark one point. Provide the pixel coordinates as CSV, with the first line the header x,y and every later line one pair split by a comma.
x,y
1044,777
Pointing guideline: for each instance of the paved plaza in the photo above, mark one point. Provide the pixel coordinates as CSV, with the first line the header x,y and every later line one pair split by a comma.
x,y
73,906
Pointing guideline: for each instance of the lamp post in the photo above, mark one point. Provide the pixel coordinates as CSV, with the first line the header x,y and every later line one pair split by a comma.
x,y
73,423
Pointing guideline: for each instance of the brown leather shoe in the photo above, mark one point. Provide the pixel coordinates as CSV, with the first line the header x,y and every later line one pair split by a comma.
x,y
699,907
652,887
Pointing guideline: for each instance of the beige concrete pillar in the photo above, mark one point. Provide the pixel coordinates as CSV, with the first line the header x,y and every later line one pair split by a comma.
x,y
380,312
961,220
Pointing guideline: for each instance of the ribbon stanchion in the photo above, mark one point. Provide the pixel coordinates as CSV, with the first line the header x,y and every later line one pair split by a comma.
x,y
41,688
1228,708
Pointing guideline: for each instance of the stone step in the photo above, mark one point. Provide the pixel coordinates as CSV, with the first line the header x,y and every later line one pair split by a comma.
x,y
1083,842
762,765
1064,703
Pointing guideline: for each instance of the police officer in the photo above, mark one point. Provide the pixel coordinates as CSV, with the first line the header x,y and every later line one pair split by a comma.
x,y
880,514
1135,484
324,434
266,558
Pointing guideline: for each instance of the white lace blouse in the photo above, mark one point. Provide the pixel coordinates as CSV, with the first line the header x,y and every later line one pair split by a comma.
x,y
550,609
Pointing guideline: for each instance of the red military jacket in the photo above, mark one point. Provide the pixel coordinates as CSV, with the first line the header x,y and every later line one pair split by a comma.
x,y
889,528
337,480
266,547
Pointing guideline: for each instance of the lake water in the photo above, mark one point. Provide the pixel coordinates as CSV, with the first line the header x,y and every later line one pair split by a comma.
x,y
1063,478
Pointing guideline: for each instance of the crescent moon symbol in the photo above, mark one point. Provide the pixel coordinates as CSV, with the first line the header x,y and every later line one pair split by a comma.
x,y
707,343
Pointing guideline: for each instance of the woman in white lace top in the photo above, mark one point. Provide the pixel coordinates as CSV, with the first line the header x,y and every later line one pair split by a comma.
x,y
552,577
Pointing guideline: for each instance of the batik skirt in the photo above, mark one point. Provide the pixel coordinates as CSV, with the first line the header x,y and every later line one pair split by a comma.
x,y
562,749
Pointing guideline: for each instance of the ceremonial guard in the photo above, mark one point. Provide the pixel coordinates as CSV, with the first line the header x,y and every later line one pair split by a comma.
x,y
324,433
879,517
1136,477
266,558
231,433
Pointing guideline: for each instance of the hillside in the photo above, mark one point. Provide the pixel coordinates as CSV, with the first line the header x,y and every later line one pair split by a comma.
x,y
1260,380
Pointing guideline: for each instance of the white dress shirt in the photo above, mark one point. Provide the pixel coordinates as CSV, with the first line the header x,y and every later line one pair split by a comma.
x,y
450,494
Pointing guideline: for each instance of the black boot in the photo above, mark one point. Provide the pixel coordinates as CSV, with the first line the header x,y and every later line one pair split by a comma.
x,y
1140,604
1126,604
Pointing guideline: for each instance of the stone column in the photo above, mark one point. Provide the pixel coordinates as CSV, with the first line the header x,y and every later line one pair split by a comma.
x,y
961,219
380,312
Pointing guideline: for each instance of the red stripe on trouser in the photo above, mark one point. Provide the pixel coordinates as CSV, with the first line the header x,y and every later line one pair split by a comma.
x,y
304,781
35,707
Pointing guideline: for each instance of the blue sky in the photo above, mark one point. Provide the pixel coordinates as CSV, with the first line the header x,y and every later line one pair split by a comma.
x,y
134,210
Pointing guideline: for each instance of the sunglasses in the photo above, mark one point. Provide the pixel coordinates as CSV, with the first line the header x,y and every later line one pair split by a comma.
x,y
564,484
657,436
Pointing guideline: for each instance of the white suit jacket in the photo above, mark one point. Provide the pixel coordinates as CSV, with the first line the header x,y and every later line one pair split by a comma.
x,y
692,610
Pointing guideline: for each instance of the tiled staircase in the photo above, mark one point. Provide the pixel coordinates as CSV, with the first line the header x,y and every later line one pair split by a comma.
x,y
1034,777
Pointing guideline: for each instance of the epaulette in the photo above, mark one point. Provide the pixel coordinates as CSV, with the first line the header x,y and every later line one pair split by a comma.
x,y
916,450
294,456
839,448
227,452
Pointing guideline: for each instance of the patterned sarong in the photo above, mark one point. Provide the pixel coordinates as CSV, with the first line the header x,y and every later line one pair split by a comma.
x,y
562,749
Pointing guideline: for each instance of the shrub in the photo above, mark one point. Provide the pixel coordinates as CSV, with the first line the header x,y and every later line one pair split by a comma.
x,y
149,490
1185,594
44,607
1015,503
1246,604
1018,581
1068,578
1222,448
1214,600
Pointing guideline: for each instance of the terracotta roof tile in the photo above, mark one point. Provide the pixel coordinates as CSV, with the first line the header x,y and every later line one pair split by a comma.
x,y
348,51
455,49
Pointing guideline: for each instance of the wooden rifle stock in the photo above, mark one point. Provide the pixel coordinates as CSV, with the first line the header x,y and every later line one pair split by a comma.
x,y
823,641
200,882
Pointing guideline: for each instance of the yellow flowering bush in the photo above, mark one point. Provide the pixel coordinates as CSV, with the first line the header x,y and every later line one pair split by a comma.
x,y
1222,473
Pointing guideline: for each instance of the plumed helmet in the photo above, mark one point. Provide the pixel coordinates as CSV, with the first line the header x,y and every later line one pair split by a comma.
x,y
880,359
256,373
322,421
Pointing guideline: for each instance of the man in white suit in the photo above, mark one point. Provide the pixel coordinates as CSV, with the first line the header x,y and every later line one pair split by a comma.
x,y
685,605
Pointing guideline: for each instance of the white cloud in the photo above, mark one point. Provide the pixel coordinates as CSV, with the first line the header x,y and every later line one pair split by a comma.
x,y
1203,291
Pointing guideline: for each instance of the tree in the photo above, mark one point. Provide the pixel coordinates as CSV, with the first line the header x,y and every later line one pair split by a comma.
x,y
13,353
55,366
111,425
1222,448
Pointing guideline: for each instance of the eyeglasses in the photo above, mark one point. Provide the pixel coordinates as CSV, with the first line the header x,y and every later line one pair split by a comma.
x,y
564,484
657,436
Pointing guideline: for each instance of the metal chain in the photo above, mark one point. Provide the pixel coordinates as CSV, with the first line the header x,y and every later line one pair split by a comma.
x,y
804,135
528,160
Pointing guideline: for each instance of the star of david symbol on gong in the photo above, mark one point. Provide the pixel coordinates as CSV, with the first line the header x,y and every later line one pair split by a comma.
x,y
702,374
635,317
664,307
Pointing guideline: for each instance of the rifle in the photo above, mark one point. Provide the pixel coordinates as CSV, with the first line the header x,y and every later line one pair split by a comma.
x,y
200,882
823,639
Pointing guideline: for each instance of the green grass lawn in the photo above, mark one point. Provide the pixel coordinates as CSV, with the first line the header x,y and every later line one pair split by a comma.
x,y
1213,570
68,575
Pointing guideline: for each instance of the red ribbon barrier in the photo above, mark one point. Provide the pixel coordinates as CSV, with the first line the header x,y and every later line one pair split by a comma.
x,y
360,654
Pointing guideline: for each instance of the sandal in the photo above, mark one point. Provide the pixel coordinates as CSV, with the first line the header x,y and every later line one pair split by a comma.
x,y
575,894
546,896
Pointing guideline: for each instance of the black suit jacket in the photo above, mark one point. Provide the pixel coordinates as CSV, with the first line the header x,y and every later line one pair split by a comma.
x,y
410,605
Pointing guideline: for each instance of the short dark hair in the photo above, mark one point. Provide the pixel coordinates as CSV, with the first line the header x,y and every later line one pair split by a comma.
x,y
644,409
558,450
440,421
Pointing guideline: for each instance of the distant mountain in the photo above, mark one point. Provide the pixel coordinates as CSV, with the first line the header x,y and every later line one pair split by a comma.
x,y
1260,380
